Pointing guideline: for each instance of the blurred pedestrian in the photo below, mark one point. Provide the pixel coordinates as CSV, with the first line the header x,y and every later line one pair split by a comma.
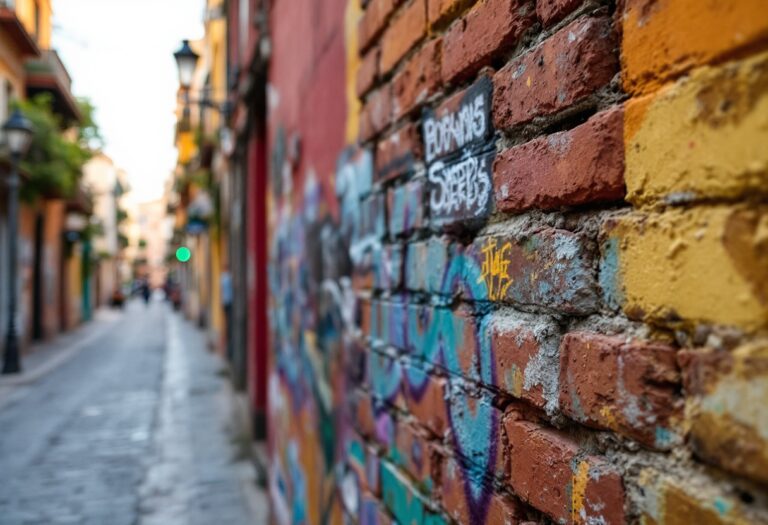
x,y
146,291
227,298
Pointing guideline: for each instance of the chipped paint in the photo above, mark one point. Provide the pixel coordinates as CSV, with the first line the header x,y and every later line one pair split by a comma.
x,y
701,138
718,277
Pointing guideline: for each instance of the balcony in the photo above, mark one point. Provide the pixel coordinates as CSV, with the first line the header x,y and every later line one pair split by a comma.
x,y
47,74
12,26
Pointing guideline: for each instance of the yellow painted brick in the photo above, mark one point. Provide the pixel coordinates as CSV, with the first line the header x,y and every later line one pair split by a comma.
x,y
707,264
664,38
726,407
695,500
705,136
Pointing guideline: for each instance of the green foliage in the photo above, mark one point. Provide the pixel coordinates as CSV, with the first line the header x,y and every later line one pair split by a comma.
x,y
123,240
121,215
89,134
142,243
54,161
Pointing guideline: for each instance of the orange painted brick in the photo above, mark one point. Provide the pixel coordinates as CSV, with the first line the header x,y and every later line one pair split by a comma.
x,y
418,79
374,20
665,38
407,28
368,72
490,28
439,11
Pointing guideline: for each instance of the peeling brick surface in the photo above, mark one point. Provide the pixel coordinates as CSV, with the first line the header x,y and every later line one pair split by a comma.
x,y
552,11
548,471
629,387
490,28
571,65
570,168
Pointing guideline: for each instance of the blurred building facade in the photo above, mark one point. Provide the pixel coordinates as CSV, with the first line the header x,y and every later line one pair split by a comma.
x,y
107,184
55,257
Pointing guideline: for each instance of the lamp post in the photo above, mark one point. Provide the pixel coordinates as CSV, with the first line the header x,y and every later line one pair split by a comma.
x,y
186,61
18,135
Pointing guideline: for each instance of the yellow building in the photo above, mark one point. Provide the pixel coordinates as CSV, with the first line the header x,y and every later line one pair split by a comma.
x,y
199,175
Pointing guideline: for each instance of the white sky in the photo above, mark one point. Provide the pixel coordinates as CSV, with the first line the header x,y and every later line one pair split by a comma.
x,y
120,55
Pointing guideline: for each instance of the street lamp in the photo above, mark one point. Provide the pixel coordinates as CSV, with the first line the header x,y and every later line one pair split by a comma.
x,y
18,136
186,61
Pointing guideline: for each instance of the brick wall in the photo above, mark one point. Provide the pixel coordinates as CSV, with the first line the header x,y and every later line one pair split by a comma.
x,y
533,288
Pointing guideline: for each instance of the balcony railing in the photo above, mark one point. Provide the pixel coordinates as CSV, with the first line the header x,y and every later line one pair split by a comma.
x,y
50,63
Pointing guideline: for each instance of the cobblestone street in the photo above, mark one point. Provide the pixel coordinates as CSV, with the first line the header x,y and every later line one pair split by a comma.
x,y
129,421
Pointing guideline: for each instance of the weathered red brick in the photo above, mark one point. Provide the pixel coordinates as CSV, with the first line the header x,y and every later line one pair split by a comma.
x,y
397,153
407,28
368,72
490,28
564,69
425,398
548,267
361,408
583,165
518,344
628,387
376,113
418,79
503,509
374,20
415,453
363,316
548,471
552,11
500,509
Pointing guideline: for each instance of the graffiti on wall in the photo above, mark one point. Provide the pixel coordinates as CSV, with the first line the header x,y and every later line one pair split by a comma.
x,y
459,153
495,268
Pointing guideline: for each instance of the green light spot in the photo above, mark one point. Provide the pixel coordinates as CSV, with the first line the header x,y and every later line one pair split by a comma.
x,y
183,254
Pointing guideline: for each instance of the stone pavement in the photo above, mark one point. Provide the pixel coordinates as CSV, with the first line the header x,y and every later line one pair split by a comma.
x,y
134,426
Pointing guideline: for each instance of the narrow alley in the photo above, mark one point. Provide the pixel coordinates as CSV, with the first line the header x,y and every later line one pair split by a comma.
x,y
131,423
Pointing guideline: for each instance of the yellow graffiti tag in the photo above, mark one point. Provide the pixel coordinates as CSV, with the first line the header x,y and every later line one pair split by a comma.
x,y
579,482
494,271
